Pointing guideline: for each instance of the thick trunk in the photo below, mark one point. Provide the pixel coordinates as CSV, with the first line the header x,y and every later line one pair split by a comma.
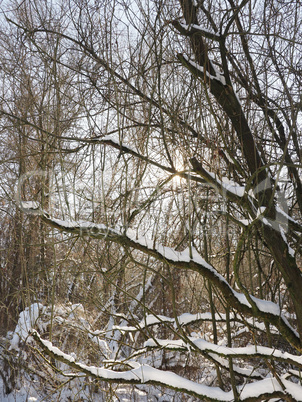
x,y
288,267
227,99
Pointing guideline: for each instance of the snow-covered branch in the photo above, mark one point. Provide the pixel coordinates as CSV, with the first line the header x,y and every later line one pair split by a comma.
x,y
193,29
188,259
201,72
232,191
246,352
144,374
187,319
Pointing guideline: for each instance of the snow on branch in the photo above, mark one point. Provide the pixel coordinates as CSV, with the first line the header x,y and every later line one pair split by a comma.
x,y
181,345
239,194
149,320
191,319
188,259
30,207
225,187
145,374
200,71
193,29
293,224
252,351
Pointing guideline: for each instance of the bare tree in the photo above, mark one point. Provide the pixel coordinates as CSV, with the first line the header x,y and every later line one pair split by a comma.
x,y
195,106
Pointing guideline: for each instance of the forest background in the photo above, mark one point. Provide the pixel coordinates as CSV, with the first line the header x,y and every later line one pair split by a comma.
x,y
151,200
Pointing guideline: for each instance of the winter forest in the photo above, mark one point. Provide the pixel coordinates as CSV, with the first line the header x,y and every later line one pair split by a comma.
x,y
150,200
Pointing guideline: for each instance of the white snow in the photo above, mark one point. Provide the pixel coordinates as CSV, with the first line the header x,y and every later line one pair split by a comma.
x,y
260,211
227,184
203,345
189,255
232,187
29,205
26,322
203,30
111,137
242,298
187,318
150,319
289,218
228,156
270,385
147,374
56,351
184,319
85,226
245,222
115,140
266,306
218,77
